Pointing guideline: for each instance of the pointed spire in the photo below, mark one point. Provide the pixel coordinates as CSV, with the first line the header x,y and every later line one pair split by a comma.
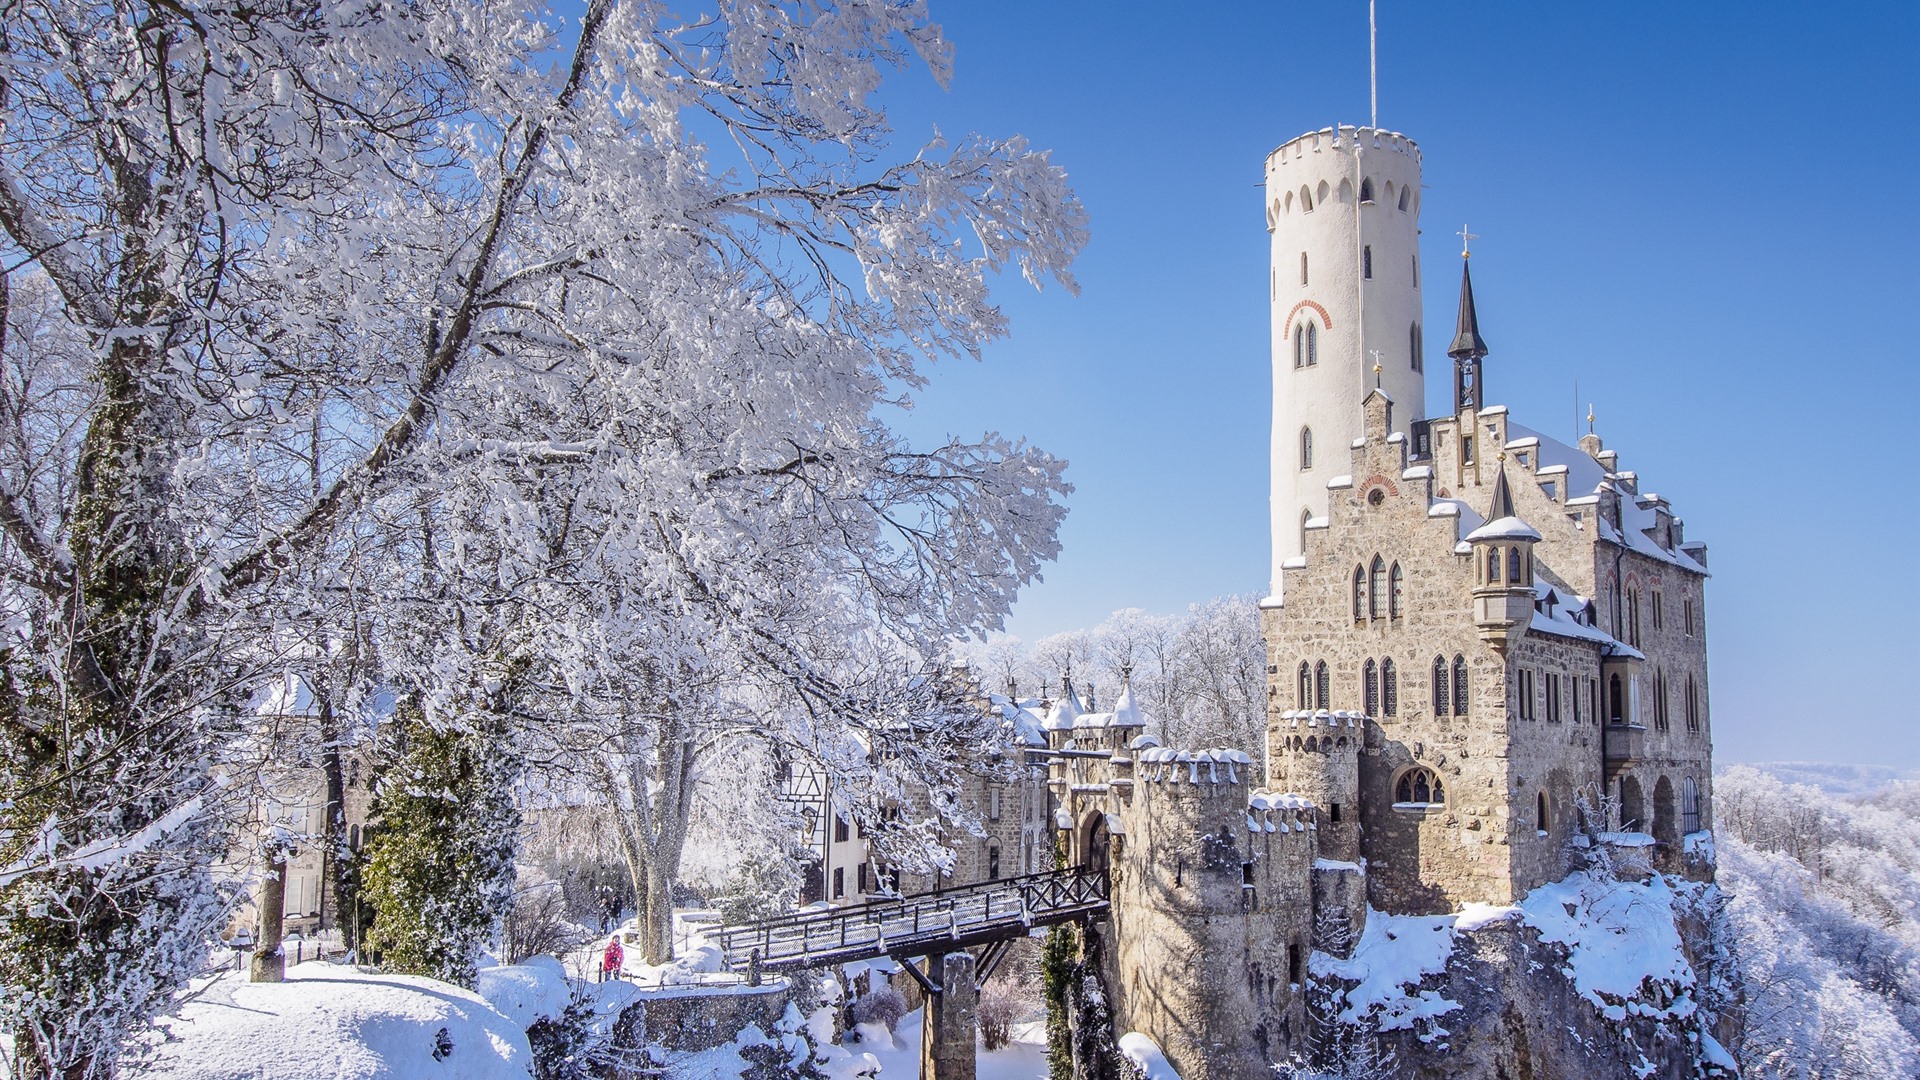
x,y
1467,344
1502,498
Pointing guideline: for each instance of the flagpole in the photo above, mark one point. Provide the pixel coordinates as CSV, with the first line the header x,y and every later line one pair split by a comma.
x,y
1373,62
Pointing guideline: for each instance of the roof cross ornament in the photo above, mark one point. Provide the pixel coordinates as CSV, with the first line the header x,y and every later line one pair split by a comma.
x,y
1376,368
1466,238
1589,417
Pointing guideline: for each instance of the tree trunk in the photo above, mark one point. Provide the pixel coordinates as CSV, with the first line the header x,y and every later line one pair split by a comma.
x,y
269,962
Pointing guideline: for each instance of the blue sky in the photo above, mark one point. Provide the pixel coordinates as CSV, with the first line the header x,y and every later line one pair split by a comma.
x,y
1705,214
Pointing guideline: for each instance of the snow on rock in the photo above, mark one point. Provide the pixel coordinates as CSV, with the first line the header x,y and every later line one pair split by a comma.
x,y
1394,954
1624,951
331,1020
1146,1055
525,992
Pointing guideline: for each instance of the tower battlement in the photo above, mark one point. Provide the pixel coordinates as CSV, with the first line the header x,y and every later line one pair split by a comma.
x,y
1343,136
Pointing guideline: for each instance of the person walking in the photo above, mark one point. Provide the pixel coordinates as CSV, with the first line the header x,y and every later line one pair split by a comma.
x,y
616,959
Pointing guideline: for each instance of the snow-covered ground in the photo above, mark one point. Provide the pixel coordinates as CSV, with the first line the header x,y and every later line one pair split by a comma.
x,y
329,1020
1024,1059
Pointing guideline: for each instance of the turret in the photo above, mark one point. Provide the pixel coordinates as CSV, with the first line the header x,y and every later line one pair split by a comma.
x,y
1343,208
1503,570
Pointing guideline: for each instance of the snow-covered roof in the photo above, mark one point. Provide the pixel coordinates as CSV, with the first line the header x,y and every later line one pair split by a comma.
x,y
1506,528
1585,477
290,695
1564,622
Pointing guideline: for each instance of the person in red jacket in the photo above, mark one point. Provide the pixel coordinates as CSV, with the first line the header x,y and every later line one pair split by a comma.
x,y
616,959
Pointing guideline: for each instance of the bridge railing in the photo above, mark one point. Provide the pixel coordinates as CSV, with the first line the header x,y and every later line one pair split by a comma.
x,y
912,925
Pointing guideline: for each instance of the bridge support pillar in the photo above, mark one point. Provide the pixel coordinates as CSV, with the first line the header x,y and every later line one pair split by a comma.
x,y
949,1027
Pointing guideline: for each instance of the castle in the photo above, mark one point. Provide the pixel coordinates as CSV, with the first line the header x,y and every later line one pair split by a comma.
x,y
1476,633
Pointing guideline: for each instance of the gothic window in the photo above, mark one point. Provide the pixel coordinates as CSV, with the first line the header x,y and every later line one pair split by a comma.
x,y
1633,616
1693,706
1305,516
1397,592
1441,700
1689,805
1359,593
1523,694
1416,273
1419,787
1459,686
1306,200
1540,820
1370,682
1313,343
993,862
1306,448
1660,700
1493,566
1377,589
1321,685
1513,565
1300,344
1414,350
1389,689
1405,193
1366,262
1658,622
1686,615
1303,268
1366,189
1305,697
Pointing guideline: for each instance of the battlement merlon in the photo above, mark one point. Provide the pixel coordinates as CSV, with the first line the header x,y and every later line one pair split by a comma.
x,y
1341,137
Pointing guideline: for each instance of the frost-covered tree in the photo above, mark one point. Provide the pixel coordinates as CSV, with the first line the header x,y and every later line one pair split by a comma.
x,y
438,869
552,343
1823,918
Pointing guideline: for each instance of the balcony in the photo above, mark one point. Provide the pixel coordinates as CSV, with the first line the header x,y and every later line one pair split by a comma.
x,y
1625,744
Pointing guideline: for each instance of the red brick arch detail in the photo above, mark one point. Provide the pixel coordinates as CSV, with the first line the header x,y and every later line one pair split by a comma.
x,y
1377,480
1326,320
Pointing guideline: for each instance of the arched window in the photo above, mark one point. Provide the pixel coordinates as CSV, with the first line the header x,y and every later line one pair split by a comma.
x,y
1405,194
1377,589
1366,262
1370,684
1689,805
1320,685
1303,268
1389,689
1414,349
1633,616
1493,566
1359,593
1416,270
993,862
1513,565
1305,516
1442,701
1306,200
1540,813
1313,343
1304,699
1693,706
1366,189
1300,344
1419,787
1660,699
1396,592
1306,448
1459,686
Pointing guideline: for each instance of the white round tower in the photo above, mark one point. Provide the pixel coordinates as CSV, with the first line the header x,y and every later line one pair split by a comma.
x,y
1343,207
